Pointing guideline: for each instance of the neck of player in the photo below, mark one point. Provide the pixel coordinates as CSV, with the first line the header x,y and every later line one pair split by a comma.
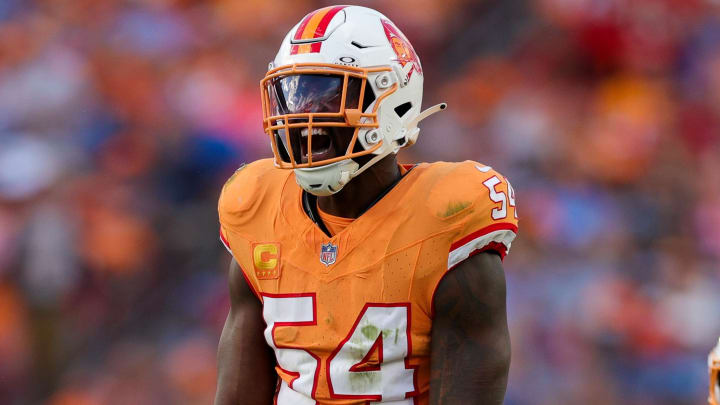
x,y
363,190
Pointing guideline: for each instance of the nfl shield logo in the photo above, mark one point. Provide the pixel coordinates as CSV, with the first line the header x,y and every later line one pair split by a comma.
x,y
328,254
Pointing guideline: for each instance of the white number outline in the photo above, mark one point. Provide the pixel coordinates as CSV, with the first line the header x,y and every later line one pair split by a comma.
x,y
342,343
498,197
354,368
275,347
511,197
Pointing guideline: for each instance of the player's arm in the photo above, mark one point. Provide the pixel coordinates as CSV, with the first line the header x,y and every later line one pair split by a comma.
x,y
245,361
470,345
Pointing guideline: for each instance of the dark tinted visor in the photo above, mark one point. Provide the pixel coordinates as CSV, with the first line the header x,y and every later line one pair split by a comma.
x,y
311,94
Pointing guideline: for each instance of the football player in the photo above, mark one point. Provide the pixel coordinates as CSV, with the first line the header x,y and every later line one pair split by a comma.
x,y
713,369
356,280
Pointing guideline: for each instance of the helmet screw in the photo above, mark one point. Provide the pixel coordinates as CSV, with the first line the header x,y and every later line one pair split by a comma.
x,y
383,81
372,137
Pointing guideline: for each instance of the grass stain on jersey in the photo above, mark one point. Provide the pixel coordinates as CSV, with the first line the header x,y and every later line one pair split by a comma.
x,y
454,207
359,347
362,380
370,332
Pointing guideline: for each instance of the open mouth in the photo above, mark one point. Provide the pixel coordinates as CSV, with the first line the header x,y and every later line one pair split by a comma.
x,y
322,144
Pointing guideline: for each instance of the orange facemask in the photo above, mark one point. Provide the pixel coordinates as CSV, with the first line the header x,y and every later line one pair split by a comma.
x,y
314,95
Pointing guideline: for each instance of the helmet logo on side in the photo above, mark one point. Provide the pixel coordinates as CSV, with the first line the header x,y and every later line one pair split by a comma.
x,y
404,51
347,61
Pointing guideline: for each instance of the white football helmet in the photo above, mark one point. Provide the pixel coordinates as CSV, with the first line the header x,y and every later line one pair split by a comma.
x,y
343,92
713,369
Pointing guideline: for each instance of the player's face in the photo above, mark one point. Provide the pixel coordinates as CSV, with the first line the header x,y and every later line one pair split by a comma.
x,y
295,94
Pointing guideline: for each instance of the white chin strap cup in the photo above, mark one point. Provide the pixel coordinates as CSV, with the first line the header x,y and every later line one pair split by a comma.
x,y
329,179
326,180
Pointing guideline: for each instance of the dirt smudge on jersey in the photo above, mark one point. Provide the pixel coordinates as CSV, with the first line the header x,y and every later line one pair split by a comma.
x,y
360,345
453,208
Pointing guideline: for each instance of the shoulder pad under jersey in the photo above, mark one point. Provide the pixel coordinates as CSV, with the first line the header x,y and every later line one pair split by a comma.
x,y
479,203
252,188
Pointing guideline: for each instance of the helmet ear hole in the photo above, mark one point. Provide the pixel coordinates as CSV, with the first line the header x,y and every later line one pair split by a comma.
x,y
403,108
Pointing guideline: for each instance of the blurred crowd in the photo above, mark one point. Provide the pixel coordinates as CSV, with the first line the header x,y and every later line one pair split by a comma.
x,y
120,121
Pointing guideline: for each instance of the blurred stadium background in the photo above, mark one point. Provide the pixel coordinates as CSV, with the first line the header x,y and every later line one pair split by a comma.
x,y
120,121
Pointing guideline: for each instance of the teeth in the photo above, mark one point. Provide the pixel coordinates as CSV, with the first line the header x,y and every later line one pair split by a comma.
x,y
316,131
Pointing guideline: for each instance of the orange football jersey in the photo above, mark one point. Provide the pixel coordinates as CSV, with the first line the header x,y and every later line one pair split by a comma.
x,y
349,316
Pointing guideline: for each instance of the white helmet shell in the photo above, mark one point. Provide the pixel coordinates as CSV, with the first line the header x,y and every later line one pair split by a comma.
x,y
359,37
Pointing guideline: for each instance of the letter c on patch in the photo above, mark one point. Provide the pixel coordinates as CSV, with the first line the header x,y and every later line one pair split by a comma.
x,y
265,256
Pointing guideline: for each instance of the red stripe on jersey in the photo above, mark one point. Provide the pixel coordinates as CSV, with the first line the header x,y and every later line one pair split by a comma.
x,y
490,228
224,240
498,247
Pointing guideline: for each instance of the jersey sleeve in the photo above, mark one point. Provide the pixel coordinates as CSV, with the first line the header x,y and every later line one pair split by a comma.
x,y
224,240
479,203
240,203
228,209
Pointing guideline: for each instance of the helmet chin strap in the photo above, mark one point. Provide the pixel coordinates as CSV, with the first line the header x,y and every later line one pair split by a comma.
x,y
326,180
412,124
344,168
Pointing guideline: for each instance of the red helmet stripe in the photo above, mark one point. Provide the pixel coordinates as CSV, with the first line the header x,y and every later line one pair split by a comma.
x,y
304,23
314,25
301,29
322,26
